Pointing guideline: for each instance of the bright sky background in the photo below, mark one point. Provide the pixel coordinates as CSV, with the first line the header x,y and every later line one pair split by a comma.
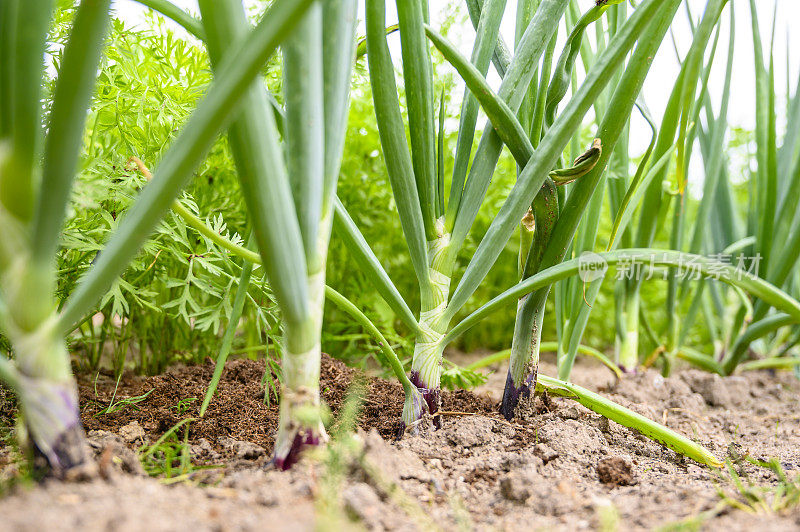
x,y
665,67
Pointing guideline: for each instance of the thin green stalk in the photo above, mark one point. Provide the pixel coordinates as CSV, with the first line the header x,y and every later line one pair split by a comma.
x,y
701,360
525,12
501,56
628,352
371,267
765,130
338,34
754,331
24,29
537,122
512,90
393,140
199,225
770,363
440,134
501,116
391,357
305,135
788,148
559,84
574,333
639,184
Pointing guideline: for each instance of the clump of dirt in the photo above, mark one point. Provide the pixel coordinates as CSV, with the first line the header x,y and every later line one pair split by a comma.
x,y
615,471
562,467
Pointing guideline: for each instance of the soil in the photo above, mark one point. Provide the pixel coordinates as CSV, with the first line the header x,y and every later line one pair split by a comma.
x,y
563,468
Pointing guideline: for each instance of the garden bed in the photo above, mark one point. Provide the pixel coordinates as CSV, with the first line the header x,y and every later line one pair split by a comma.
x,y
562,467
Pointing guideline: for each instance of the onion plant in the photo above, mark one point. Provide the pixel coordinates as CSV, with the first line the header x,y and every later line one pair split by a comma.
x,y
290,192
35,177
435,229
553,235
37,167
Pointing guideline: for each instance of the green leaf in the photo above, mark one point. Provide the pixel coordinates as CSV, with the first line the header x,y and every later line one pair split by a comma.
x,y
393,140
501,116
487,35
512,90
24,37
754,331
73,92
722,272
305,133
370,266
338,49
628,418
418,80
230,332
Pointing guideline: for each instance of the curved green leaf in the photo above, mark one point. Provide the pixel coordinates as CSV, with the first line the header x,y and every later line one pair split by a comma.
x,y
725,273
418,81
368,263
512,91
500,115
491,15
171,11
562,73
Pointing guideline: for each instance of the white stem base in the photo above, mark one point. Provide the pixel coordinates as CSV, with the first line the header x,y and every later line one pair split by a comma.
x,y
300,423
